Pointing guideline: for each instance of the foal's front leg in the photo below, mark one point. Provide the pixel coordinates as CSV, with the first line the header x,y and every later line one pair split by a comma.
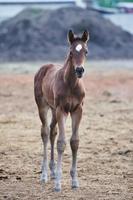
x,y
61,118
74,142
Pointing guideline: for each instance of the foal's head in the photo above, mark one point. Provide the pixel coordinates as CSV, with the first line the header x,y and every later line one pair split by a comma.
x,y
78,51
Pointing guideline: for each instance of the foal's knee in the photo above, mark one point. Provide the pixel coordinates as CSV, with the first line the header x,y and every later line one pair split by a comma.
x,y
74,143
53,130
44,133
61,144
52,125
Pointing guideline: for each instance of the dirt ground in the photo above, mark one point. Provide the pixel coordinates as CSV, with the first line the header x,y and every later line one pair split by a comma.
x,y
105,159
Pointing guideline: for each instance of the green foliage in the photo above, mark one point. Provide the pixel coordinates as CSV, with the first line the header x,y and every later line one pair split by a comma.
x,y
106,3
126,1
111,3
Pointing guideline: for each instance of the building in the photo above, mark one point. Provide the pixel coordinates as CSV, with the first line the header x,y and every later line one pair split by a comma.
x,y
40,2
125,7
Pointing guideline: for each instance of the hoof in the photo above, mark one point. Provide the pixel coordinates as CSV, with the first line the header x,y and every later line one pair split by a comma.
x,y
53,175
44,178
57,190
75,184
57,187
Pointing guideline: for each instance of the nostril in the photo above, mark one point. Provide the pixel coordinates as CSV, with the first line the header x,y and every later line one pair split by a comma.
x,y
83,70
80,70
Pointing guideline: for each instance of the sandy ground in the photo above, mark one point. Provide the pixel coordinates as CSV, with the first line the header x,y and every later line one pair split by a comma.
x,y
105,159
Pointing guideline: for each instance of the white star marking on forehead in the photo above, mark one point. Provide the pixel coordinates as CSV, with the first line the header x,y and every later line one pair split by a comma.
x,y
78,47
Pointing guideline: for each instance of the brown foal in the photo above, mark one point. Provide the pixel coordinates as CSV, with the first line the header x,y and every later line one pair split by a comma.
x,y
61,89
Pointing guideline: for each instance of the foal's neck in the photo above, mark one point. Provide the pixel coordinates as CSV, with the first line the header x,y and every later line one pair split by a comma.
x,y
69,73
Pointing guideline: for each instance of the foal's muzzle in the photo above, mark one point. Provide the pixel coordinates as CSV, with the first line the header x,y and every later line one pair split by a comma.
x,y
79,71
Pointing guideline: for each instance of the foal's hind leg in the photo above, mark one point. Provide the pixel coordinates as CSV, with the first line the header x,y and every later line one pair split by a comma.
x,y
74,142
53,133
45,135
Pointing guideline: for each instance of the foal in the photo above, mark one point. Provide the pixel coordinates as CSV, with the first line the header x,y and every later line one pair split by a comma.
x,y
61,89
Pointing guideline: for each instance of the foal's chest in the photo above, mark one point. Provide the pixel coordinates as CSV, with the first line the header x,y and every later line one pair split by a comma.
x,y
69,102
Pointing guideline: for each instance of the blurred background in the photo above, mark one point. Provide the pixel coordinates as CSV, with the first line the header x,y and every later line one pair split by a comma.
x,y
36,30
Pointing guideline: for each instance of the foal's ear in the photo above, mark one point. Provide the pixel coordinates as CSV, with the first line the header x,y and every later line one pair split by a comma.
x,y
85,36
70,36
